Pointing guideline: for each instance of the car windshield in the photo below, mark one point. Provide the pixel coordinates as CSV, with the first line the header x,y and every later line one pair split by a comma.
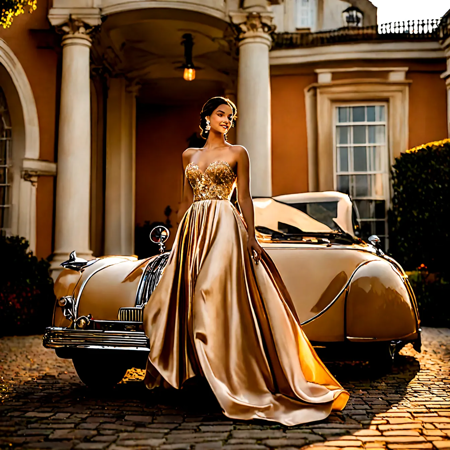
x,y
295,221
324,212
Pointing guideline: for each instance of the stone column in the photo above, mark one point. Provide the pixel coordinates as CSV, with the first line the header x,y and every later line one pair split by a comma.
x,y
254,110
74,147
120,168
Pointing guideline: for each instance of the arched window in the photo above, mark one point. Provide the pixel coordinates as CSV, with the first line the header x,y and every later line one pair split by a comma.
x,y
306,14
5,166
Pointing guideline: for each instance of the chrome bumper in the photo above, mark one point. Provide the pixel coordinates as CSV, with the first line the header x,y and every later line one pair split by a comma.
x,y
95,339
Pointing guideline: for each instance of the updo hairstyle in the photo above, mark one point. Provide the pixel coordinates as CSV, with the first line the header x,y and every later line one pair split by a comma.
x,y
209,107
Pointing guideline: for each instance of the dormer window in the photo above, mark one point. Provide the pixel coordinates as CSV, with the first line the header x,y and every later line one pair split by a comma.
x,y
353,17
306,14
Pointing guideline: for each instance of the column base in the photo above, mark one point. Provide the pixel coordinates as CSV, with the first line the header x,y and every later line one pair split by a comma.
x,y
61,256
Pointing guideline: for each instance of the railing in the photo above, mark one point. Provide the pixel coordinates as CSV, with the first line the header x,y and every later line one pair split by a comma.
x,y
430,29
412,28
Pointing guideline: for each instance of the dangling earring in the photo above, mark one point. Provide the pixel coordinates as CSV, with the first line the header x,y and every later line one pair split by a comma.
x,y
208,125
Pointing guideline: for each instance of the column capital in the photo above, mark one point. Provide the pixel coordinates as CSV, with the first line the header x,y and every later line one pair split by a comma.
x,y
76,31
254,25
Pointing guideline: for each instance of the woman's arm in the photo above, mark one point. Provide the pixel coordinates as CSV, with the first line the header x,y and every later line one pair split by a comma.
x,y
245,201
188,195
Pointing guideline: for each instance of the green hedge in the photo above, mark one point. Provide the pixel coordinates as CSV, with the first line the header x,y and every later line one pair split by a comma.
x,y
420,215
433,297
26,289
419,224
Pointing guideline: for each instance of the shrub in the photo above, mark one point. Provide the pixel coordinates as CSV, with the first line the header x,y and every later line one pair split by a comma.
x,y
419,226
26,289
433,295
420,215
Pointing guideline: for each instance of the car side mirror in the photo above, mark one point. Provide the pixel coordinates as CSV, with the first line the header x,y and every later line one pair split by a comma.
x,y
376,242
159,235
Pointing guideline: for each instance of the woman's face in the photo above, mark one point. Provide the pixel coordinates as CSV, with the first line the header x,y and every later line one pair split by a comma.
x,y
221,118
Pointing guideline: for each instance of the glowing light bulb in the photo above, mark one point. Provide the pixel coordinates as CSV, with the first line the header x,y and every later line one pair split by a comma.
x,y
189,74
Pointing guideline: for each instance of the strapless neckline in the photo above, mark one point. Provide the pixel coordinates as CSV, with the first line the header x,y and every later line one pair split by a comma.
x,y
203,172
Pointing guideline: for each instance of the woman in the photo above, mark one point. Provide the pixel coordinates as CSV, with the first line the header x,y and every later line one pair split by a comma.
x,y
221,310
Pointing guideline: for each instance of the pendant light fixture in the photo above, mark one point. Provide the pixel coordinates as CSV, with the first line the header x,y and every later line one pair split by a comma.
x,y
188,66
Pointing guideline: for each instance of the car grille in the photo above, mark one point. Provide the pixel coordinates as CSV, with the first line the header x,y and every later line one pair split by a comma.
x,y
131,314
95,339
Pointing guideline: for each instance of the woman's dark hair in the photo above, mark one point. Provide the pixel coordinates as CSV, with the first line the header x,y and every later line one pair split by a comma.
x,y
209,107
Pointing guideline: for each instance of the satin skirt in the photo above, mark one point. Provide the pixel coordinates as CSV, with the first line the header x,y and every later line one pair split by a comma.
x,y
217,314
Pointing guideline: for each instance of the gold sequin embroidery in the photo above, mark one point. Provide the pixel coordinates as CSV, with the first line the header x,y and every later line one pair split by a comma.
x,y
216,183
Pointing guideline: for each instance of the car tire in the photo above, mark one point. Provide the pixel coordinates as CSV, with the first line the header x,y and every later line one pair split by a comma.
x,y
98,371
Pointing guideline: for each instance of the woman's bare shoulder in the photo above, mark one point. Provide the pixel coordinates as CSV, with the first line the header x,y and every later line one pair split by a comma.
x,y
188,153
239,151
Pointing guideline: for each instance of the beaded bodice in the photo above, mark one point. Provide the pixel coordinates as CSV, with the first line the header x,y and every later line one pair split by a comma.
x,y
216,183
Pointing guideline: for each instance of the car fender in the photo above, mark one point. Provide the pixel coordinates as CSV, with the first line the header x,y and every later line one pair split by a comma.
x,y
378,304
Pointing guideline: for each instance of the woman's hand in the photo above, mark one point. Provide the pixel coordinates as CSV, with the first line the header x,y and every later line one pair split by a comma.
x,y
254,248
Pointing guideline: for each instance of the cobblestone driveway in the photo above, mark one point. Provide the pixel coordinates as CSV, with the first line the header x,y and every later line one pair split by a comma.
x,y
44,405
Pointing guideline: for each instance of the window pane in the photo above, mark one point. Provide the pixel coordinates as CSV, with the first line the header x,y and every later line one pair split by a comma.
x,y
375,158
380,228
343,184
359,114
343,114
359,159
359,134
380,209
377,189
4,217
366,229
3,178
361,186
363,208
379,113
376,134
371,114
343,133
4,195
3,152
343,159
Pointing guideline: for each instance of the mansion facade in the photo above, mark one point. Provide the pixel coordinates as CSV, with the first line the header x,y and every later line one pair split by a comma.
x,y
99,98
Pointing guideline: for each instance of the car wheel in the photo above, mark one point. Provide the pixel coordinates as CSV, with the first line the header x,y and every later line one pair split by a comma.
x,y
99,371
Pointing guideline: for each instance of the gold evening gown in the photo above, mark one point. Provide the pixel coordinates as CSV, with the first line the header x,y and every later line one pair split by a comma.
x,y
217,314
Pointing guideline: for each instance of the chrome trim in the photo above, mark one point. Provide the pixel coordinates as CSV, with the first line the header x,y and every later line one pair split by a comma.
x,y
77,301
163,236
375,241
95,339
337,296
351,338
150,278
66,304
75,263
131,314
83,321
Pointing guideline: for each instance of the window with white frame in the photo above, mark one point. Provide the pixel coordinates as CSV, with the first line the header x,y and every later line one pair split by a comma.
x,y
362,163
5,165
306,14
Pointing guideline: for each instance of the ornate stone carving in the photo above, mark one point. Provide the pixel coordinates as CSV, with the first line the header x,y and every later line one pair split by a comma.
x,y
249,24
76,27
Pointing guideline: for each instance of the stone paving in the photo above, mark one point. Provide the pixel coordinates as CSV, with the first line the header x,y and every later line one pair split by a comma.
x,y
45,406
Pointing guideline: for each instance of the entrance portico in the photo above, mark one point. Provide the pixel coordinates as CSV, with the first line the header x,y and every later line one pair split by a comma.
x,y
145,141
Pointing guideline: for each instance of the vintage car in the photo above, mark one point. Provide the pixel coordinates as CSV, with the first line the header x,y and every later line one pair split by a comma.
x,y
347,292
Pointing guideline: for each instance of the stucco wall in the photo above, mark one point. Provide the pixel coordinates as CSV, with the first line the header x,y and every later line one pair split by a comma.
x,y
289,145
427,106
32,41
